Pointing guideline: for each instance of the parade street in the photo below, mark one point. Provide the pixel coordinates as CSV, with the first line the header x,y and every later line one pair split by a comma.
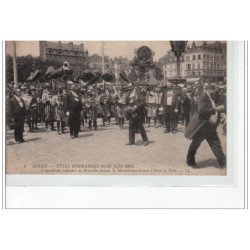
x,y
105,152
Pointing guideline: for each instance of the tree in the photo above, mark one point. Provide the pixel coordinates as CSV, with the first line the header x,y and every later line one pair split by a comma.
x,y
9,68
28,64
158,73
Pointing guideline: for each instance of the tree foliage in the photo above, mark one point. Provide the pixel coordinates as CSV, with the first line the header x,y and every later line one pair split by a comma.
x,y
26,65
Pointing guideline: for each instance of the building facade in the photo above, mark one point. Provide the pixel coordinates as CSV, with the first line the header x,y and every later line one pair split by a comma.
x,y
74,54
205,62
121,65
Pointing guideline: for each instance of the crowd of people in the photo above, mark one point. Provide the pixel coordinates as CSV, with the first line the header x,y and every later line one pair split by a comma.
x,y
168,105
73,105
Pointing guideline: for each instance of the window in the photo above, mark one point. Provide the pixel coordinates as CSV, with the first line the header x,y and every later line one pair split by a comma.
x,y
187,58
199,57
193,66
211,57
198,65
188,66
194,57
204,56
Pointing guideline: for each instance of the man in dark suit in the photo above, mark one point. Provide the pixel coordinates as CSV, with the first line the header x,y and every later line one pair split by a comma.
x,y
208,114
74,107
17,112
136,102
169,101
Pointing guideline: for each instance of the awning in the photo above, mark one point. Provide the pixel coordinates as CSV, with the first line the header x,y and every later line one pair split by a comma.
x,y
193,79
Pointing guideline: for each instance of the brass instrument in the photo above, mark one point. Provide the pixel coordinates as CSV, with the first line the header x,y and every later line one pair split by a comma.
x,y
34,76
65,70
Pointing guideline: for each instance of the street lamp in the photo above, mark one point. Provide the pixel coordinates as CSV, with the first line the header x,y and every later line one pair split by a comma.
x,y
178,47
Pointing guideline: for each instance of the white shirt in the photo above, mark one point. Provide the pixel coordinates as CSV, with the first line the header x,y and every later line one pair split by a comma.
x,y
212,101
19,100
169,96
151,98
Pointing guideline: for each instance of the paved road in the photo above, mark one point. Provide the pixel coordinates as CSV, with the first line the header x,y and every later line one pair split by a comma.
x,y
105,152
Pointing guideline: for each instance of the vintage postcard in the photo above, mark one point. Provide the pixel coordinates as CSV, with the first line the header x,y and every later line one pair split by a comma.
x,y
148,108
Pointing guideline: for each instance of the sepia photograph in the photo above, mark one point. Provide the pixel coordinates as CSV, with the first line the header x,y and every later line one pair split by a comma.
x,y
154,108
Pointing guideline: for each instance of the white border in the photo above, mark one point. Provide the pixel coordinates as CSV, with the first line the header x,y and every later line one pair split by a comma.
x,y
218,192
235,75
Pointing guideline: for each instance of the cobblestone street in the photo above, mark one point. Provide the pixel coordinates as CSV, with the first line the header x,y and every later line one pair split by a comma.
x,y
105,152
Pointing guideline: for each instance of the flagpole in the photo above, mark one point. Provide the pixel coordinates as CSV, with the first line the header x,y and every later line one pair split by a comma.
x,y
15,65
103,66
103,63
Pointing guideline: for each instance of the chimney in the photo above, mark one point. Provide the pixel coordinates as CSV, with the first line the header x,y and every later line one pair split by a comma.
x,y
71,45
204,43
82,46
60,44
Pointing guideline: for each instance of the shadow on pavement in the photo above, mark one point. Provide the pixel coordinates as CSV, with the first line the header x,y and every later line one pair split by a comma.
x,y
211,162
10,143
34,139
141,143
85,135
9,137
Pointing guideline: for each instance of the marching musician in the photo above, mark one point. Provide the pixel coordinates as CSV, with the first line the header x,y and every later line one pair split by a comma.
x,y
73,107
121,103
48,108
135,115
113,104
103,105
91,109
159,108
33,110
58,102
151,100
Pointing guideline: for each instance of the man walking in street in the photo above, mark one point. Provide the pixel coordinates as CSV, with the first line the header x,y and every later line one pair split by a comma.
x,y
205,128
